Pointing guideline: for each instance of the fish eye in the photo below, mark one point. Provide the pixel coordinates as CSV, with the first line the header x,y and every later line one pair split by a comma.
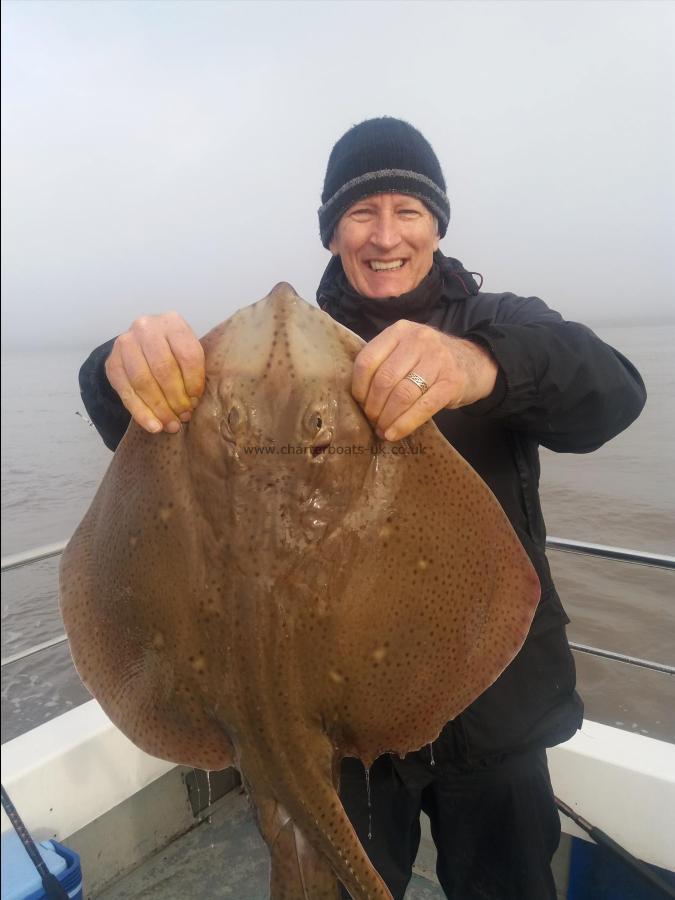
x,y
233,418
314,419
232,422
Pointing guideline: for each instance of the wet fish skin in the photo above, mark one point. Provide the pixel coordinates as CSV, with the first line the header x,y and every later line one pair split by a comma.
x,y
232,601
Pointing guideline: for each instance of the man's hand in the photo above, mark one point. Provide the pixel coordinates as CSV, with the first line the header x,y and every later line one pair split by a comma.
x,y
157,368
457,371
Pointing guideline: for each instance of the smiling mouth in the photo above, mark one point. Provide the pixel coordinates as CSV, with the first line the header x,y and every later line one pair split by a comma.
x,y
381,265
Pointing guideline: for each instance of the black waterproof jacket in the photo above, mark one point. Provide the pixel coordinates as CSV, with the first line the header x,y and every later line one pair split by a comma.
x,y
558,385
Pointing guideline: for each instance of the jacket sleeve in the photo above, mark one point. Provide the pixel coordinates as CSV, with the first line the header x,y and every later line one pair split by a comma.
x,y
103,405
558,381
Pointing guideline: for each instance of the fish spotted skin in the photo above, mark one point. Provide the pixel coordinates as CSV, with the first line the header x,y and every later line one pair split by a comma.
x,y
275,588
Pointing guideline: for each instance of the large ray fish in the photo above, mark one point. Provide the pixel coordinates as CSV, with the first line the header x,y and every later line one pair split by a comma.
x,y
275,588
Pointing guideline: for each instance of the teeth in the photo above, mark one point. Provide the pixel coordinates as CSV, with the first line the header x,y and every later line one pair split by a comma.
x,y
376,265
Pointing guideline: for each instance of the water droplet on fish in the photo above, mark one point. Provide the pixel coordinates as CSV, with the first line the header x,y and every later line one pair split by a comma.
x,y
431,753
370,809
199,794
208,781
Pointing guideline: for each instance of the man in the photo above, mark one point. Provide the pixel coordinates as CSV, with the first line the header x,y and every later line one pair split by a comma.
x,y
501,374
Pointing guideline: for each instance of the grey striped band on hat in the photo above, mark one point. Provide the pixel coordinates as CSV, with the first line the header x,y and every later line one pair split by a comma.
x,y
441,214
388,173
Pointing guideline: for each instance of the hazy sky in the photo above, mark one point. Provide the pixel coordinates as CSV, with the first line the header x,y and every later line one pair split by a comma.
x,y
161,154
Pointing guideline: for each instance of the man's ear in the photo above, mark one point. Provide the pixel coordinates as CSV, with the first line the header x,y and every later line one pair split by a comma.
x,y
333,243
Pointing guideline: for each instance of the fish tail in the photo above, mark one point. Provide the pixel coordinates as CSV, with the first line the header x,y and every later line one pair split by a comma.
x,y
326,826
297,871
312,843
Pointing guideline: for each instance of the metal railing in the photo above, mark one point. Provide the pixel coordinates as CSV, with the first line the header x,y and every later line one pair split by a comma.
x,y
602,551
28,557
619,554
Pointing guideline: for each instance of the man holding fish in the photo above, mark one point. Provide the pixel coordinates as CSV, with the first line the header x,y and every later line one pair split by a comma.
x,y
501,375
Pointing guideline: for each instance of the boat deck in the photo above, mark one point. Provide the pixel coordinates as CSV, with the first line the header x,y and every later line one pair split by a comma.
x,y
223,857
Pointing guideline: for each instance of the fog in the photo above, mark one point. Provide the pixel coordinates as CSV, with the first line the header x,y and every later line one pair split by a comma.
x,y
170,155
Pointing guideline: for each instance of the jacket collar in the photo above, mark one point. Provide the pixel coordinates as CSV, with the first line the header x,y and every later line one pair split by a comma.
x,y
447,281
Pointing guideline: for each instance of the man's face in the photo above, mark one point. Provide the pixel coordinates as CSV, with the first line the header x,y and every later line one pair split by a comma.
x,y
380,231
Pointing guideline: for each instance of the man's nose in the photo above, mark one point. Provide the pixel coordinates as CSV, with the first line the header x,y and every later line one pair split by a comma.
x,y
386,232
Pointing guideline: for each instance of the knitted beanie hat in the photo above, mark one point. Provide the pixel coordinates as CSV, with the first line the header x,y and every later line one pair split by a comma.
x,y
381,156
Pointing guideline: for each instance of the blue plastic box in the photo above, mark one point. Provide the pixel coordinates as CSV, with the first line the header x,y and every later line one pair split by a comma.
x,y
20,879
596,874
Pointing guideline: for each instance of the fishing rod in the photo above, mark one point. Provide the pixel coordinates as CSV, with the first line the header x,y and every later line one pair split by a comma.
x,y
604,840
52,887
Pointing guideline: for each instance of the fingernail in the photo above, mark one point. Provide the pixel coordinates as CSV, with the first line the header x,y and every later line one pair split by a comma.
x,y
172,427
154,426
194,401
390,435
185,416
